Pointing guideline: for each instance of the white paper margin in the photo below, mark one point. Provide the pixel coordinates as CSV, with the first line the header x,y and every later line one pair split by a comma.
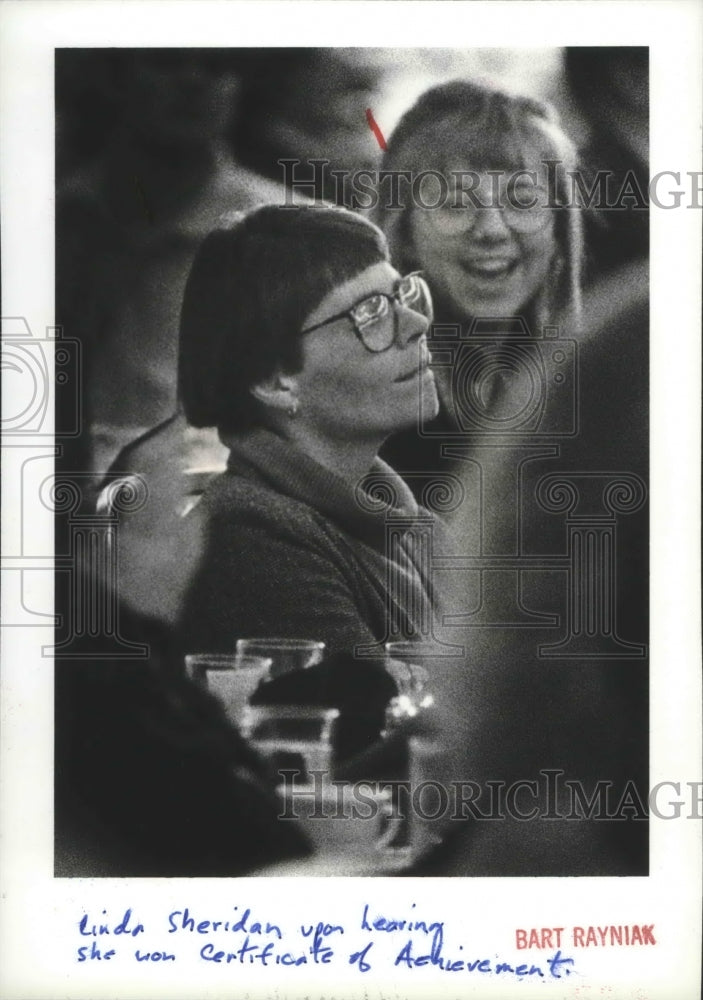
x,y
38,914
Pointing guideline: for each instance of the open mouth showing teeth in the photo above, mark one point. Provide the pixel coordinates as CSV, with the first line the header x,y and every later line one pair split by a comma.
x,y
488,270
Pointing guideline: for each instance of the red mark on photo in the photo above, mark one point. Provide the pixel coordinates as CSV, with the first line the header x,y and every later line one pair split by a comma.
x,y
375,129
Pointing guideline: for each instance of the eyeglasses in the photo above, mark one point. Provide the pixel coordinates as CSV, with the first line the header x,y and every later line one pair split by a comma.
x,y
375,318
523,210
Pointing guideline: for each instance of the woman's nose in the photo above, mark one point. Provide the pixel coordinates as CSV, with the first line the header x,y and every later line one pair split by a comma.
x,y
490,224
411,324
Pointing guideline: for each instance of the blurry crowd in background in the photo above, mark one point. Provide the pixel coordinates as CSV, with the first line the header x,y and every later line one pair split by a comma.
x,y
153,148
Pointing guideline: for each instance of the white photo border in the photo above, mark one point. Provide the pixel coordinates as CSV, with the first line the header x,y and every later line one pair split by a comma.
x,y
39,913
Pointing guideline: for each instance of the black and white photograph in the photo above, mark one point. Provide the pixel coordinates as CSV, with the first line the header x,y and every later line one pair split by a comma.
x,y
351,455
368,472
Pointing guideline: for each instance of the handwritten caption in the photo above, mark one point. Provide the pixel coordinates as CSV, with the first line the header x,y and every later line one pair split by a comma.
x,y
238,936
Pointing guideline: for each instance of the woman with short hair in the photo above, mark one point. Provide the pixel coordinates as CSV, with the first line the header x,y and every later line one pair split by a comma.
x,y
307,349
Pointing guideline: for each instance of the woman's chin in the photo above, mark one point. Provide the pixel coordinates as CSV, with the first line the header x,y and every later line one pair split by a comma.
x,y
419,405
473,302
428,399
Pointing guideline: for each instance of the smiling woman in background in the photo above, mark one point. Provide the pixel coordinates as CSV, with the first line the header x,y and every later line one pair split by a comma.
x,y
494,239
482,252
306,349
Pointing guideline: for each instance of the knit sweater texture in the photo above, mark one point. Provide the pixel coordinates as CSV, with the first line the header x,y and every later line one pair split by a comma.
x,y
292,550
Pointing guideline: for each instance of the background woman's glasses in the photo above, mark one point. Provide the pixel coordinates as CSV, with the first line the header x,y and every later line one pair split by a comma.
x,y
457,221
523,211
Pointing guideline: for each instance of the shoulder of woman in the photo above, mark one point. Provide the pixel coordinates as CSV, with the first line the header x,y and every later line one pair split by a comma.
x,y
242,503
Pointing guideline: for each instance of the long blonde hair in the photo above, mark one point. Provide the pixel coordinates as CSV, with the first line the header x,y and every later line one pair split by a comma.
x,y
489,128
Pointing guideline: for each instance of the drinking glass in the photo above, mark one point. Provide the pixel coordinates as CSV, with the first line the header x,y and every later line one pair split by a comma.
x,y
231,677
293,736
286,655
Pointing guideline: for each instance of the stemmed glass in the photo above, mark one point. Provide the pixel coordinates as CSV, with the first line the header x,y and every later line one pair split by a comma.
x,y
231,677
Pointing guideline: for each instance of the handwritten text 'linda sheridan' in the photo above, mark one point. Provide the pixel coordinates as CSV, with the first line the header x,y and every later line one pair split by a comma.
x,y
242,937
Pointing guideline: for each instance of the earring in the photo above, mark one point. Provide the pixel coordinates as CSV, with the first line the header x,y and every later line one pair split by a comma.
x,y
293,409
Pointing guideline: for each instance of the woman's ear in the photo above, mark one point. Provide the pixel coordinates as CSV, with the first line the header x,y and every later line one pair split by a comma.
x,y
279,392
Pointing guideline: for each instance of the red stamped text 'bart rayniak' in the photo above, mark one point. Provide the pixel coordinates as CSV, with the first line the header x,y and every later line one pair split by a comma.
x,y
611,935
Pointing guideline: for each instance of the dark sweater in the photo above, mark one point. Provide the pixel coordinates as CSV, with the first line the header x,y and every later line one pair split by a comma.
x,y
291,550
